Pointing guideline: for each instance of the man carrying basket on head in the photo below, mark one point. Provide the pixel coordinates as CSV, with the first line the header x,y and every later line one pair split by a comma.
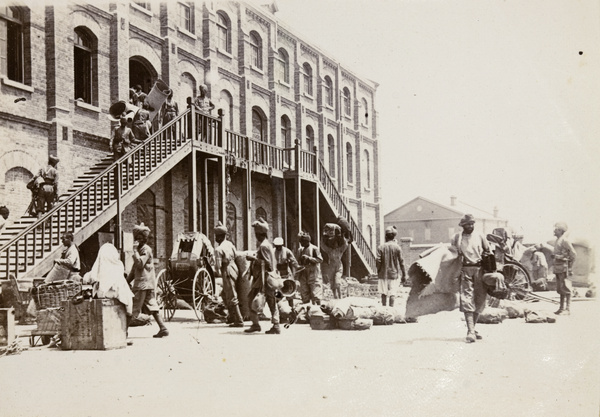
x,y
263,263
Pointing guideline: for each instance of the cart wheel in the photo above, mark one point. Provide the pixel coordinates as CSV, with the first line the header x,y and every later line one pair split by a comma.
x,y
517,280
202,290
166,296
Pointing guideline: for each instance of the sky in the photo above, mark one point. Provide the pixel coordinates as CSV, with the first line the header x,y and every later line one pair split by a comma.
x,y
495,102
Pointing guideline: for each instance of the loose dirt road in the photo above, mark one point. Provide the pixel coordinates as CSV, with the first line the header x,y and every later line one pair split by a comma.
x,y
421,369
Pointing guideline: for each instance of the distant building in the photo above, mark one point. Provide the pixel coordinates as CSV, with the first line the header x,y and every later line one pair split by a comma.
x,y
429,222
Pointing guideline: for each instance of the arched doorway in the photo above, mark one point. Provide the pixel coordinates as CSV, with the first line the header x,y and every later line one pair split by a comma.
x,y
141,72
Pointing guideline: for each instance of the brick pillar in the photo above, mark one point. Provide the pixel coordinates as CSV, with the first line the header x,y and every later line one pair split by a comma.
x,y
119,52
59,76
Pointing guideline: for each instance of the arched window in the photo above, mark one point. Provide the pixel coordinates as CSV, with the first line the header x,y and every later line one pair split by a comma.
x,y
261,213
365,111
187,89
255,50
367,165
227,104
15,189
286,131
259,125
349,167
284,66
310,138
331,154
12,56
224,32
346,99
308,79
328,91
85,68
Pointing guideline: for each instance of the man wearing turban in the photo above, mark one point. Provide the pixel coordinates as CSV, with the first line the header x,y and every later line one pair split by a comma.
x,y
262,263
471,246
389,263
144,279
564,256
225,263
311,282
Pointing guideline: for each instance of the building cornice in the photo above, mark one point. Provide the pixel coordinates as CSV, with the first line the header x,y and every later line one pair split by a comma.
x,y
190,56
287,36
313,114
261,91
24,120
230,75
145,35
95,10
310,51
258,18
288,103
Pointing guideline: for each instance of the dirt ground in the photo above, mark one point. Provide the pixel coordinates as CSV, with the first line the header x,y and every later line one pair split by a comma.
x,y
420,369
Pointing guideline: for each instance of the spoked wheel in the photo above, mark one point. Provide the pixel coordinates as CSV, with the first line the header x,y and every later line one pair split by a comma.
x,y
202,292
166,296
517,280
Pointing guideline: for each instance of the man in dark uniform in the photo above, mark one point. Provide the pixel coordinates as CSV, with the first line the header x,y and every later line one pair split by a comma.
x,y
48,191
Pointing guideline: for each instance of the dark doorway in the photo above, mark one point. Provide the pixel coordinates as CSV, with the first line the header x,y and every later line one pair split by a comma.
x,y
141,73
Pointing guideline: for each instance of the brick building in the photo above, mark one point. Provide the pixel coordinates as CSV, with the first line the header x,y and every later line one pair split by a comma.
x,y
280,95
427,222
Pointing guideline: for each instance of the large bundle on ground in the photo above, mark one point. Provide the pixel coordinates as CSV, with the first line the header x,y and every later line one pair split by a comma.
x,y
435,282
492,316
538,317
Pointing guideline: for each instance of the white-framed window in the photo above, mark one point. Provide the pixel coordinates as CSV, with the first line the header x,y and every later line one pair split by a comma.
x,y
85,66
308,79
349,163
328,91
365,112
331,154
310,138
367,164
12,48
143,4
283,66
186,17
346,99
256,50
224,32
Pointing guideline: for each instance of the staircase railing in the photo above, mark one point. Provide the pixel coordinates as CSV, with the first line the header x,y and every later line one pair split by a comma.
x,y
339,205
43,236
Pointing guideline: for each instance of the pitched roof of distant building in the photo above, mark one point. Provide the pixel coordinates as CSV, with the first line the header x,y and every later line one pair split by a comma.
x,y
458,207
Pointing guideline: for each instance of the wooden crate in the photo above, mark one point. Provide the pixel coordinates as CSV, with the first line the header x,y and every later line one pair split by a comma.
x,y
93,325
7,326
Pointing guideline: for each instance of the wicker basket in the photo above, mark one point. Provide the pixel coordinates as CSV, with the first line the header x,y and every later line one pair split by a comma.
x,y
51,295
